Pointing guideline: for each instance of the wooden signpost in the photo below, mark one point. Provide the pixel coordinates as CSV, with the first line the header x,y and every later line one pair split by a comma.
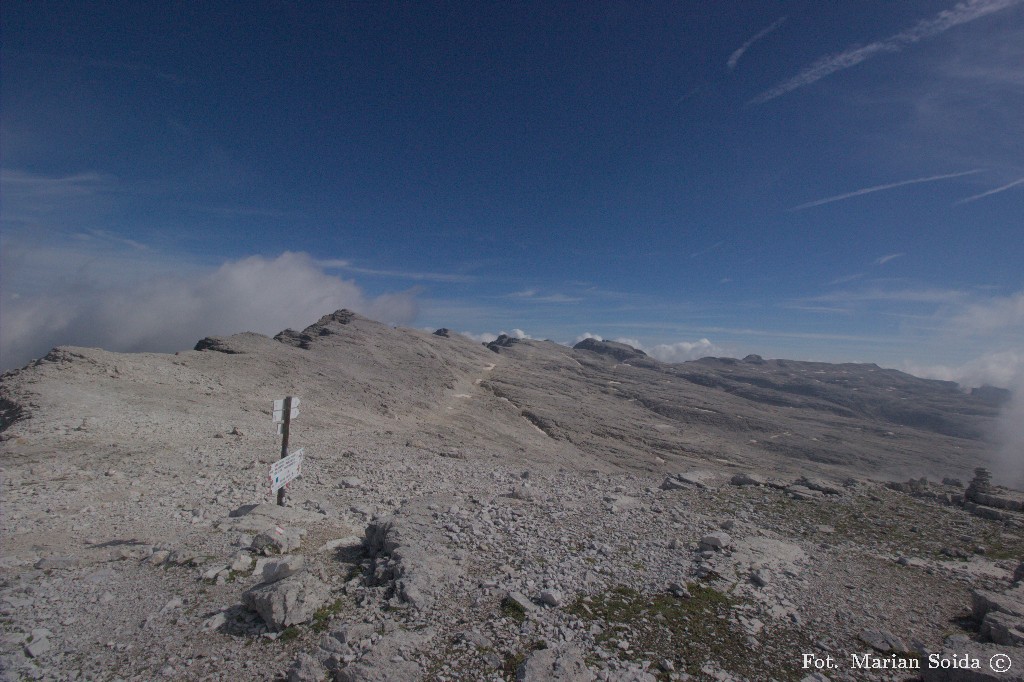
x,y
289,466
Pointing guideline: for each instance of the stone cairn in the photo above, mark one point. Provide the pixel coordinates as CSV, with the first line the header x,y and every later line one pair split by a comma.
x,y
981,483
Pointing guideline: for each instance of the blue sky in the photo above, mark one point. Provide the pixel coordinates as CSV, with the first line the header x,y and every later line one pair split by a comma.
x,y
833,181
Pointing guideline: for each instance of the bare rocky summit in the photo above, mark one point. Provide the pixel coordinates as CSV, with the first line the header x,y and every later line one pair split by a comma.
x,y
515,511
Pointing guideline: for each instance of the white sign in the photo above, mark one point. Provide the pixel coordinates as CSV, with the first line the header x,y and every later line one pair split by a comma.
x,y
279,410
284,470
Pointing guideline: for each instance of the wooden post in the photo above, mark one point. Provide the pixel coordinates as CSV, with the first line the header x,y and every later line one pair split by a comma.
x,y
284,442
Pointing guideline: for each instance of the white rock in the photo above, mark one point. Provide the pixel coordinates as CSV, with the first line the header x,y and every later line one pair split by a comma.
x,y
279,569
551,597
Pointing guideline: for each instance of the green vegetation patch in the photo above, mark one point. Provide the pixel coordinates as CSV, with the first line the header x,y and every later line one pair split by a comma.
x,y
689,632
510,608
322,617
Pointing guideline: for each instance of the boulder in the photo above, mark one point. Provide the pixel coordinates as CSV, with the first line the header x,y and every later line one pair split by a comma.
x,y
279,569
306,668
562,663
287,602
717,540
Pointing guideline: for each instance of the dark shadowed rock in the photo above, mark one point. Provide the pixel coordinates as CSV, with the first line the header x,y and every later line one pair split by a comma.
x,y
992,395
325,326
503,341
620,351
217,344
443,331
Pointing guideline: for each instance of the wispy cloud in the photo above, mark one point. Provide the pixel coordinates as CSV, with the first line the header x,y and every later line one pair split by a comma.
x,y
939,296
881,188
342,264
534,295
989,193
962,13
709,249
846,278
882,260
31,185
735,57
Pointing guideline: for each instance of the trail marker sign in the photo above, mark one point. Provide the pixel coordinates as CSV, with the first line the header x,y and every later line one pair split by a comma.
x,y
279,416
285,470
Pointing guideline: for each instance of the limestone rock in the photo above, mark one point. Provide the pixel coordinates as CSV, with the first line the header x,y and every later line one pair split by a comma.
x,y
279,540
748,479
288,601
305,668
882,640
552,597
279,569
560,664
717,540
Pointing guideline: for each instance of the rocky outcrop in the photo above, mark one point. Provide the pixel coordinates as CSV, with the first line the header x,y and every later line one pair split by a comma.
x,y
503,341
322,327
216,344
620,351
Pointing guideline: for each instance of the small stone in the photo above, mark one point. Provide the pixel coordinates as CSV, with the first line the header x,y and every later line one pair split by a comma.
x,y
680,590
241,561
38,647
278,540
57,562
215,621
717,541
551,597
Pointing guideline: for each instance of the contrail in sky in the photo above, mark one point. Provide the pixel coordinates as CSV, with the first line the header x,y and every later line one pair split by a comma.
x,y
962,13
734,58
879,188
990,192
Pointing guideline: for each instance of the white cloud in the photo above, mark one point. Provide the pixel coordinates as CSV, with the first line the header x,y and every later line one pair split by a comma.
x,y
735,57
999,368
126,309
485,337
1006,370
681,351
962,13
994,315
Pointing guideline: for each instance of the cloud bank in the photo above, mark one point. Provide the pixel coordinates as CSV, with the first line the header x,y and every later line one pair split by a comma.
x,y
168,312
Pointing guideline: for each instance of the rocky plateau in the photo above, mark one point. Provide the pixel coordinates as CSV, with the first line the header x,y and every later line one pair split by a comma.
x,y
519,510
